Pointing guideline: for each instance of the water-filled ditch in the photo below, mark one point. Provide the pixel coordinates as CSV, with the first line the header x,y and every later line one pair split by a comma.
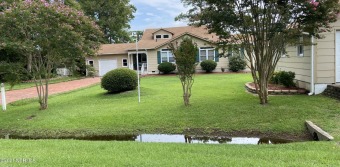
x,y
169,138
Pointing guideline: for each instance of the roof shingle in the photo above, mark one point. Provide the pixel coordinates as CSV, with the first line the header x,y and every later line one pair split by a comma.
x,y
147,41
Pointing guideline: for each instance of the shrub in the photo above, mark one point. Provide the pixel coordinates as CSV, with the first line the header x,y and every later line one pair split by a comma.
x,y
91,71
275,78
236,63
283,77
208,65
166,67
119,80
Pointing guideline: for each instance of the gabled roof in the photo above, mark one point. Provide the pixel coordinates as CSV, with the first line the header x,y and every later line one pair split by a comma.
x,y
163,30
112,49
148,42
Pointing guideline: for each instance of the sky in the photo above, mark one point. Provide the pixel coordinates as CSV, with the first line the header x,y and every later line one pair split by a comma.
x,y
156,14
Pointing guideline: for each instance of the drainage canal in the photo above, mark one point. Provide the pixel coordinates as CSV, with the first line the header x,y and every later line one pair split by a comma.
x,y
167,138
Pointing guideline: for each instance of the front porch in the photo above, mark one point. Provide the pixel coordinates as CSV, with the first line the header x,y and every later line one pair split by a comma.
x,y
142,62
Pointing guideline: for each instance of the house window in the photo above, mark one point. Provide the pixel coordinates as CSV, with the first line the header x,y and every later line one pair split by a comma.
x,y
300,50
165,36
207,53
167,56
91,63
124,63
158,36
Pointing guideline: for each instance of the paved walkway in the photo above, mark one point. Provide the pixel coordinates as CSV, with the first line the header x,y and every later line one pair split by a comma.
x,y
16,95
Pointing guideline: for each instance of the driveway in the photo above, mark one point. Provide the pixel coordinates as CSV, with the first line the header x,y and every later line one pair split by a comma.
x,y
62,87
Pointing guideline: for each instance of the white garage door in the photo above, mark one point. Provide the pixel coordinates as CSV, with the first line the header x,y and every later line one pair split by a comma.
x,y
106,66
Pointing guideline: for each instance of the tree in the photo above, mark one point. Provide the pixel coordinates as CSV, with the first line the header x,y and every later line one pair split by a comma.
x,y
49,34
185,57
112,16
11,73
263,28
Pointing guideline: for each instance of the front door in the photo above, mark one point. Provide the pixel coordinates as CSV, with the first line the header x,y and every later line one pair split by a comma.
x,y
337,57
141,59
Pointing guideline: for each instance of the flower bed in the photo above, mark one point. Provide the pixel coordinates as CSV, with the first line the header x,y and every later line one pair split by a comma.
x,y
276,89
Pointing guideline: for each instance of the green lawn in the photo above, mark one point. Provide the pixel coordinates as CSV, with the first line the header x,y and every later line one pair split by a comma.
x,y
25,85
87,153
219,103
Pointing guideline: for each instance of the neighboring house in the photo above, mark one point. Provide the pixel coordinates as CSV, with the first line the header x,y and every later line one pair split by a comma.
x,y
153,50
317,65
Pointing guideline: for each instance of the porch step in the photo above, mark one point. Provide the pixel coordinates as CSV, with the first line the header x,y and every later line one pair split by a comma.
x,y
332,91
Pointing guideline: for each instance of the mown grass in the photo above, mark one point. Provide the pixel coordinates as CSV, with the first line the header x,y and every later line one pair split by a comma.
x,y
25,85
94,153
219,102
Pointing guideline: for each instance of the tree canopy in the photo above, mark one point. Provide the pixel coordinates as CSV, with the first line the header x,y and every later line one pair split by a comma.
x,y
262,27
47,35
112,16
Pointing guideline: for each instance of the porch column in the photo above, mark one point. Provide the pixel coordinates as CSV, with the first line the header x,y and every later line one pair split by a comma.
x,y
129,61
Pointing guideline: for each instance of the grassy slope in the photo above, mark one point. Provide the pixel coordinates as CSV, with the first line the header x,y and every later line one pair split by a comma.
x,y
86,153
218,102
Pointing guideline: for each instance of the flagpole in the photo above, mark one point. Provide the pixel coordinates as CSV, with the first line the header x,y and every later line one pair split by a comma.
x,y
137,67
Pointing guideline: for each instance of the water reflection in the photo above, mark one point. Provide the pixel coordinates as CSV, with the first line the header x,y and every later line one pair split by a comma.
x,y
192,139
165,138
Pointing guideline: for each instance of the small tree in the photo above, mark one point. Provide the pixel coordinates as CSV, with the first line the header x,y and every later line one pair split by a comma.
x,y
47,35
263,28
185,56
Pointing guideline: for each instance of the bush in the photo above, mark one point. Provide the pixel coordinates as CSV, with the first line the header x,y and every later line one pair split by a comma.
x,y
236,63
283,77
166,67
208,65
119,80
91,71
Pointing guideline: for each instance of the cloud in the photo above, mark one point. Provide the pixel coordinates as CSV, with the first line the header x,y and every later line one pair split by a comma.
x,y
147,19
150,14
157,13
172,7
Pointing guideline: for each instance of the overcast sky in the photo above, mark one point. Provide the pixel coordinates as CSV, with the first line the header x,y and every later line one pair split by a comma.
x,y
156,14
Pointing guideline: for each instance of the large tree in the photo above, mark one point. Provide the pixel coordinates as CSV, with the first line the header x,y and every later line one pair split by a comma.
x,y
262,27
112,16
48,35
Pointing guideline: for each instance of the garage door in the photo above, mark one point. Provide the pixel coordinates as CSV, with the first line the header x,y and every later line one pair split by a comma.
x,y
106,66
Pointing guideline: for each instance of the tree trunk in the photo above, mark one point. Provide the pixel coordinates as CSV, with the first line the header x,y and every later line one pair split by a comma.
x,y
263,90
29,63
186,85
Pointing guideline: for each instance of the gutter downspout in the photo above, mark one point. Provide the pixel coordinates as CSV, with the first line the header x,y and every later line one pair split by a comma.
x,y
312,84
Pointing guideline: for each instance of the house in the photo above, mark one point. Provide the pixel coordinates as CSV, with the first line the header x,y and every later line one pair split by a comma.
x,y
317,65
153,50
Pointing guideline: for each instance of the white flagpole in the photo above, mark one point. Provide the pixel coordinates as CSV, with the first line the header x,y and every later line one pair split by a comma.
x,y
137,67
3,97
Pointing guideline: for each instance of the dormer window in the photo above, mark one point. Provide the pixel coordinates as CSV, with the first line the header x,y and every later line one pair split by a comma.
x,y
165,36
158,36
